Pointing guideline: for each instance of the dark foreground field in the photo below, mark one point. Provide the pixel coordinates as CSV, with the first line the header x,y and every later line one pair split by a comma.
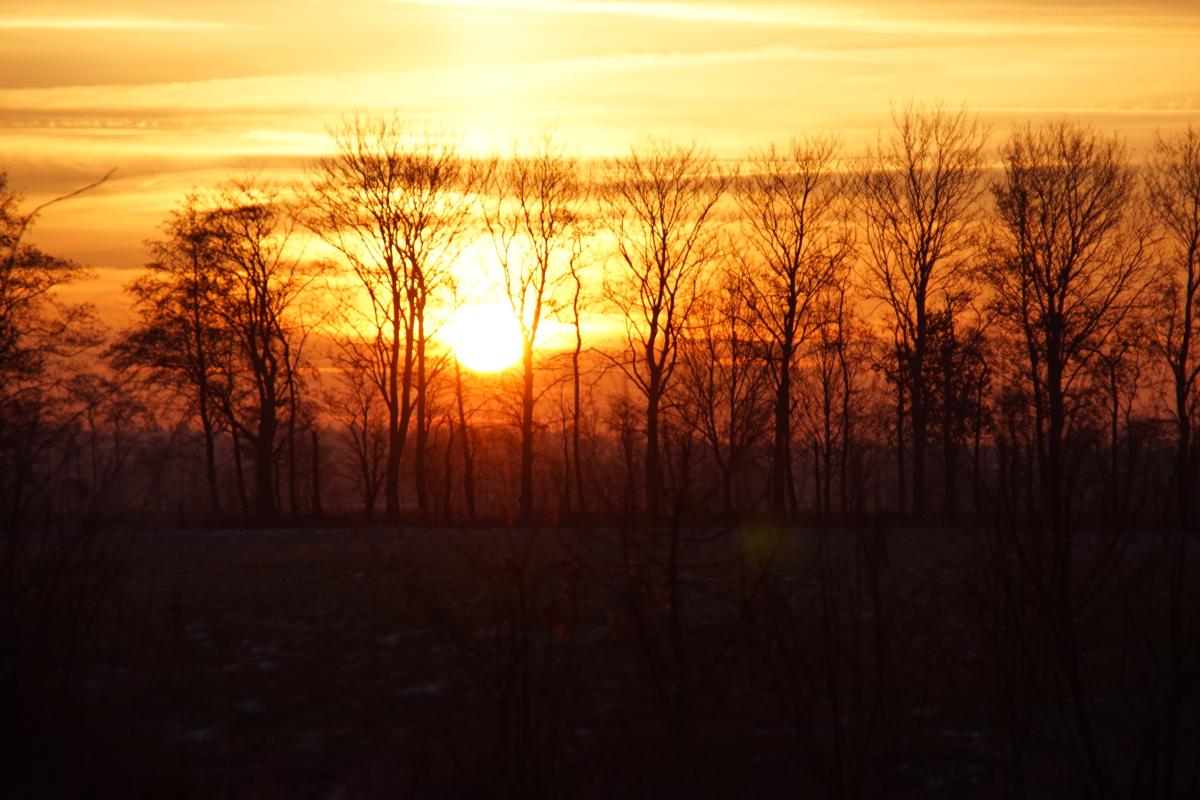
x,y
372,663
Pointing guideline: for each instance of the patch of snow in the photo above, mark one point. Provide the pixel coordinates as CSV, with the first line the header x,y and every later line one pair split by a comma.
x,y
199,735
250,707
196,631
431,689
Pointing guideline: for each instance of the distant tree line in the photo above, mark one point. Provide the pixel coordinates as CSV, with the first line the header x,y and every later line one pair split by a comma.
x,y
929,328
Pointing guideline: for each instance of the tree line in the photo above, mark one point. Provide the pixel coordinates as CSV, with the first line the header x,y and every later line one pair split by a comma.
x,y
929,327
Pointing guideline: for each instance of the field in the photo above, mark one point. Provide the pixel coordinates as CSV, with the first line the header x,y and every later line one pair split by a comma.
x,y
424,662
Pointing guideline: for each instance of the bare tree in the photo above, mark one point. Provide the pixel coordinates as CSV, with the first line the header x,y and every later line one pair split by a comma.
x,y
792,221
1119,377
463,413
957,378
535,217
578,300
261,284
722,382
54,573
661,202
918,196
38,334
396,206
363,416
1068,265
467,444
178,334
826,407
1173,181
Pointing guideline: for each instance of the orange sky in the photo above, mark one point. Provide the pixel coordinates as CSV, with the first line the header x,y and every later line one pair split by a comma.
x,y
176,93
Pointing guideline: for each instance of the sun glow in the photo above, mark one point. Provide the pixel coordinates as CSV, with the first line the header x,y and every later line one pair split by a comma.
x,y
485,337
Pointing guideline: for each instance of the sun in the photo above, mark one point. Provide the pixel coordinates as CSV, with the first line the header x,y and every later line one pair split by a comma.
x,y
485,337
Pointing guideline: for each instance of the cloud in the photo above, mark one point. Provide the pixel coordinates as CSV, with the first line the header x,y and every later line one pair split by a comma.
x,y
111,24
178,101
877,18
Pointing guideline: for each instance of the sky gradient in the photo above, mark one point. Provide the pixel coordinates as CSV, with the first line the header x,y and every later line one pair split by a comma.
x,y
178,94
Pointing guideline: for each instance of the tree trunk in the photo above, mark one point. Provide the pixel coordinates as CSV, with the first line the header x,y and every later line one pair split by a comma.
x,y
1053,482
567,507
421,473
653,477
920,419
316,473
467,456
1183,449
818,481
827,445
392,473
901,485
576,415
782,446
526,501
239,471
727,491
949,449
293,477
264,471
1114,446
448,474
210,455
399,403
846,421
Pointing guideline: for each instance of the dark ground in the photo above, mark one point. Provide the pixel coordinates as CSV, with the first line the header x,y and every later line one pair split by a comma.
x,y
371,663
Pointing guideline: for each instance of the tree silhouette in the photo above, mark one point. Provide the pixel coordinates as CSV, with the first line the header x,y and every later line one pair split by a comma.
x,y
363,415
660,201
958,379
720,391
261,284
535,217
396,206
826,408
1173,182
792,220
917,199
1068,265
179,334
38,334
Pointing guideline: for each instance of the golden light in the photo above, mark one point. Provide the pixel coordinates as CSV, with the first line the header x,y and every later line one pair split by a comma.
x,y
485,337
